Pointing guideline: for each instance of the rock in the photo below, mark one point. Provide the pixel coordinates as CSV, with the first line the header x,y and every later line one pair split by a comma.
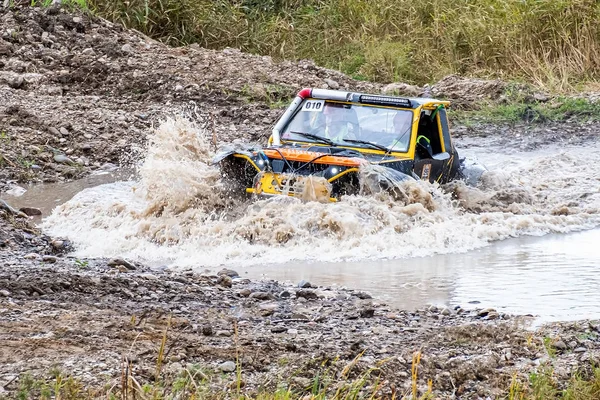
x,y
301,382
541,97
207,330
31,256
49,259
559,345
580,350
261,296
493,315
4,293
64,131
307,294
367,312
304,284
115,262
402,89
362,295
61,158
300,316
16,82
228,272
225,281
279,329
332,84
445,311
245,292
77,20
223,333
285,294
485,312
227,366
54,131
30,211
127,48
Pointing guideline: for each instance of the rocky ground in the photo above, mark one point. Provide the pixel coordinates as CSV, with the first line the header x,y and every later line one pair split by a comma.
x,y
78,94
90,318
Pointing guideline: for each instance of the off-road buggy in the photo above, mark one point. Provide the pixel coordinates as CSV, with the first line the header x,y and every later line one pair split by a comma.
x,y
330,143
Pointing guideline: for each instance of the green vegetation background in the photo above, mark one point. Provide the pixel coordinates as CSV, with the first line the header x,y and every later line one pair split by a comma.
x,y
550,43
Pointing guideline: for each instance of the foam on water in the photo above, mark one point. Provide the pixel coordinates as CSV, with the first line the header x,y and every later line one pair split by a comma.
x,y
178,212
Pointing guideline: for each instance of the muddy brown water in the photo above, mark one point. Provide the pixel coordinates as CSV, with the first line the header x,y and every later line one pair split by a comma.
x,y
524,242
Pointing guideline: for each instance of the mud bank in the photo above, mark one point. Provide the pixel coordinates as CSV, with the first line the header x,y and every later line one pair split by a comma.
x,y
86,316
79,93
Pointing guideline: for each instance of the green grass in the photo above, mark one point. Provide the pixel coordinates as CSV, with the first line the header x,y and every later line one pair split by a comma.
x,y
555,44
559,109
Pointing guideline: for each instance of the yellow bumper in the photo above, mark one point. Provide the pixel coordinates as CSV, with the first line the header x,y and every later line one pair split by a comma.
x,y
307,188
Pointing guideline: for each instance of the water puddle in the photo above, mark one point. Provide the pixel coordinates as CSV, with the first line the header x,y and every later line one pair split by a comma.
x,y
555,276
503,244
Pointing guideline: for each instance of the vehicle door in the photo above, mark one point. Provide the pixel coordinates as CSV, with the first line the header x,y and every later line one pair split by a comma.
x,y
434,154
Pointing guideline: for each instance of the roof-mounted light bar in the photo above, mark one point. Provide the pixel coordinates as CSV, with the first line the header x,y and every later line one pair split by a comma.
x,y
385,100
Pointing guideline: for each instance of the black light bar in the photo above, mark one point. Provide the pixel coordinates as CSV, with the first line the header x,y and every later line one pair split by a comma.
x,y
385,100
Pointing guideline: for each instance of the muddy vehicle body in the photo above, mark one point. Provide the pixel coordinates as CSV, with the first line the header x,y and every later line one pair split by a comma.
x,y
326,139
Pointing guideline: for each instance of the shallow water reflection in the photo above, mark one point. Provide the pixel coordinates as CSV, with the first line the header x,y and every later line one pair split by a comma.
x,y
555,276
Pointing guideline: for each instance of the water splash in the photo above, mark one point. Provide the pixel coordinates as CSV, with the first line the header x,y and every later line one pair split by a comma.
x,y
180,213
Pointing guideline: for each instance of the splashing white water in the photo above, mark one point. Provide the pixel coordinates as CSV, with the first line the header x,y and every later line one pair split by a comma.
x,y
178,212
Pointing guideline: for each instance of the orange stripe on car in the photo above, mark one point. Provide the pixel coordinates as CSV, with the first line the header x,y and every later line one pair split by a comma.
x,y
309,156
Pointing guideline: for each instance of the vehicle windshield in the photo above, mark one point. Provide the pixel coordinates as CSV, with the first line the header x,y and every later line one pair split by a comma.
x,y
362,125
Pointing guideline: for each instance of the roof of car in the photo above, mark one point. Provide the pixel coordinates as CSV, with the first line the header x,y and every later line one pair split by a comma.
x,y
340,95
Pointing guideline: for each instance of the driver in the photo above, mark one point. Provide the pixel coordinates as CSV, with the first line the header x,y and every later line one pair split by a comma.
x,y
401,126
336,125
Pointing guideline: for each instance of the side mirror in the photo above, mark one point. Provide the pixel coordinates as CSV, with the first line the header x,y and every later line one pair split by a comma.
x,y
441,156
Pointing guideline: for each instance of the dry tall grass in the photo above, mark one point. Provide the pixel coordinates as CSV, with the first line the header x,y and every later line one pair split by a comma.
x,y
554,43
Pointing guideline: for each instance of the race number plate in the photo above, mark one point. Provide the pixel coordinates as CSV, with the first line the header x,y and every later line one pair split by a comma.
x,y
313,105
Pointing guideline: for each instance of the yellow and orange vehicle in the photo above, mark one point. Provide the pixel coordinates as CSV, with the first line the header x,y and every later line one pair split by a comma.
x,y
328,137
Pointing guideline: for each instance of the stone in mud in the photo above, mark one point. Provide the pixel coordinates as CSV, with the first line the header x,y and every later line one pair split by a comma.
x,y
225,281
485,312
362,295
49,259
61,158
207,330
30,211
228,272
261,296
332,84
304,284
367,312
227,366
55,132
402,89
116,262
16,82
307,294
559,345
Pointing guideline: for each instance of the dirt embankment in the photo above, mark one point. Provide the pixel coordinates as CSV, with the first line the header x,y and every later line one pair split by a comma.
x,y
78,93
90,318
